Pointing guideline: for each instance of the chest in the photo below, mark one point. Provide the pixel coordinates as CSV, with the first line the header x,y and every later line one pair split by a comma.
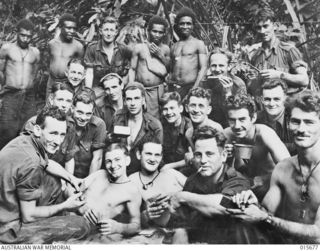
x,y
185,49
24,56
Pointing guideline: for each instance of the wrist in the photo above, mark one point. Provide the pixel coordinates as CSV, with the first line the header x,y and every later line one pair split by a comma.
x,y
282,75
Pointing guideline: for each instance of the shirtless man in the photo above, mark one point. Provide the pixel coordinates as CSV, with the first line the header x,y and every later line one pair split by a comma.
x,y
155,186
62,49
292,202
18,67
188,56
149,64
108,192
267,148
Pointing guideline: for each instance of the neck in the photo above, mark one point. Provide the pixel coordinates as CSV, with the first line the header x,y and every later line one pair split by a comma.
x,y
275,117
18,45
135,117
217,176
118,104
149,175
267,45
121,179
63,39
309,156
197,125
178,122
107,45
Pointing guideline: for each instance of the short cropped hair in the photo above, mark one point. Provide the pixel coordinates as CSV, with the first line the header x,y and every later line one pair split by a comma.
x,y
207,132
25,24
307,101
67,17
168,96
148,138
225,52
61,86
157,20
86,96
264,14
135,86
50,111
185,12
111,76
198,92
241,101
118,145
110,20
75,61
273,83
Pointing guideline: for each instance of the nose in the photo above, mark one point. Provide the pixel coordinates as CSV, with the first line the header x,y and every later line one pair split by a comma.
x,y
237,124
203,159
301,127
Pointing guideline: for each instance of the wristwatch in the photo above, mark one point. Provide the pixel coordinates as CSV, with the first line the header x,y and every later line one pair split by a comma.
x,y
268,219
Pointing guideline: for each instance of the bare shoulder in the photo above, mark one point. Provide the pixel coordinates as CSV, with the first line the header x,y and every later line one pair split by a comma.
x,y
134,177
284,168
132,188
7,47
265,131
35,51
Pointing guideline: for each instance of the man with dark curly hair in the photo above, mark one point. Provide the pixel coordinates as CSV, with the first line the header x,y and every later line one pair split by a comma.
x,y
263,146
188,55
150,63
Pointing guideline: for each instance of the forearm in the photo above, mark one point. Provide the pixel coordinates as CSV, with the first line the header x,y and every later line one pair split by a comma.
x,y
95,164
200,76
43,212
207,204
129,228
132,75
56,169
175,165
295,80
304,231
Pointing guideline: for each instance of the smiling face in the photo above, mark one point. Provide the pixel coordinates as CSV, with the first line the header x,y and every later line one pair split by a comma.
x,y
82,113
209,156
240,122
265,30
134,101
68,30
273,100
116,163
219,64
198,109
185,26
108,31
52,134
171,111
150,157
305,127
113,88
75,74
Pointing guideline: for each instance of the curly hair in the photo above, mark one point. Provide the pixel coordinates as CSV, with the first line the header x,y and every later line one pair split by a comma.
x,y
273,83
157,20
307,101
50,111
168,96
207,132
67,17
225,52
185,12
25,24
264,14
241,101
198,92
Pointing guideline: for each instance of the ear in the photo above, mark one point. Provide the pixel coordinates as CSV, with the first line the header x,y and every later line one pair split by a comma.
x,y
254,118
37,130
180,108
186,107
138,155
128,160
224,155
50,98
209,109
66,73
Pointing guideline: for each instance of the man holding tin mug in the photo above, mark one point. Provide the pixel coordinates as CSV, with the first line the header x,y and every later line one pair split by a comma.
x,y
254,148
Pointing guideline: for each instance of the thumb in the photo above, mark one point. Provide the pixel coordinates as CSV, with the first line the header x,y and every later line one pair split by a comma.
x,y
190,149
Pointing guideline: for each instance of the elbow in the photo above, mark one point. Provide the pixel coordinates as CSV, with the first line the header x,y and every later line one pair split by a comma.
x,y
28,218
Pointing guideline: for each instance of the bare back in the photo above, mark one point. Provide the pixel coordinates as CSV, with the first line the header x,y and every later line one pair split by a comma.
x,y
61,53
185,58
19,65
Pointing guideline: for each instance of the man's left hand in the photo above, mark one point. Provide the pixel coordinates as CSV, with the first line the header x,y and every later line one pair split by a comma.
x,y
154,50
252,213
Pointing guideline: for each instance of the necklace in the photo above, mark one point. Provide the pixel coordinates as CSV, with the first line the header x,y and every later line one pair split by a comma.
x,y
145,186
114,182
304,196
23,56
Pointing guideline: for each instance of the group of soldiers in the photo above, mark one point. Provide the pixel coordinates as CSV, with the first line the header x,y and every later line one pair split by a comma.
x,y
142,136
